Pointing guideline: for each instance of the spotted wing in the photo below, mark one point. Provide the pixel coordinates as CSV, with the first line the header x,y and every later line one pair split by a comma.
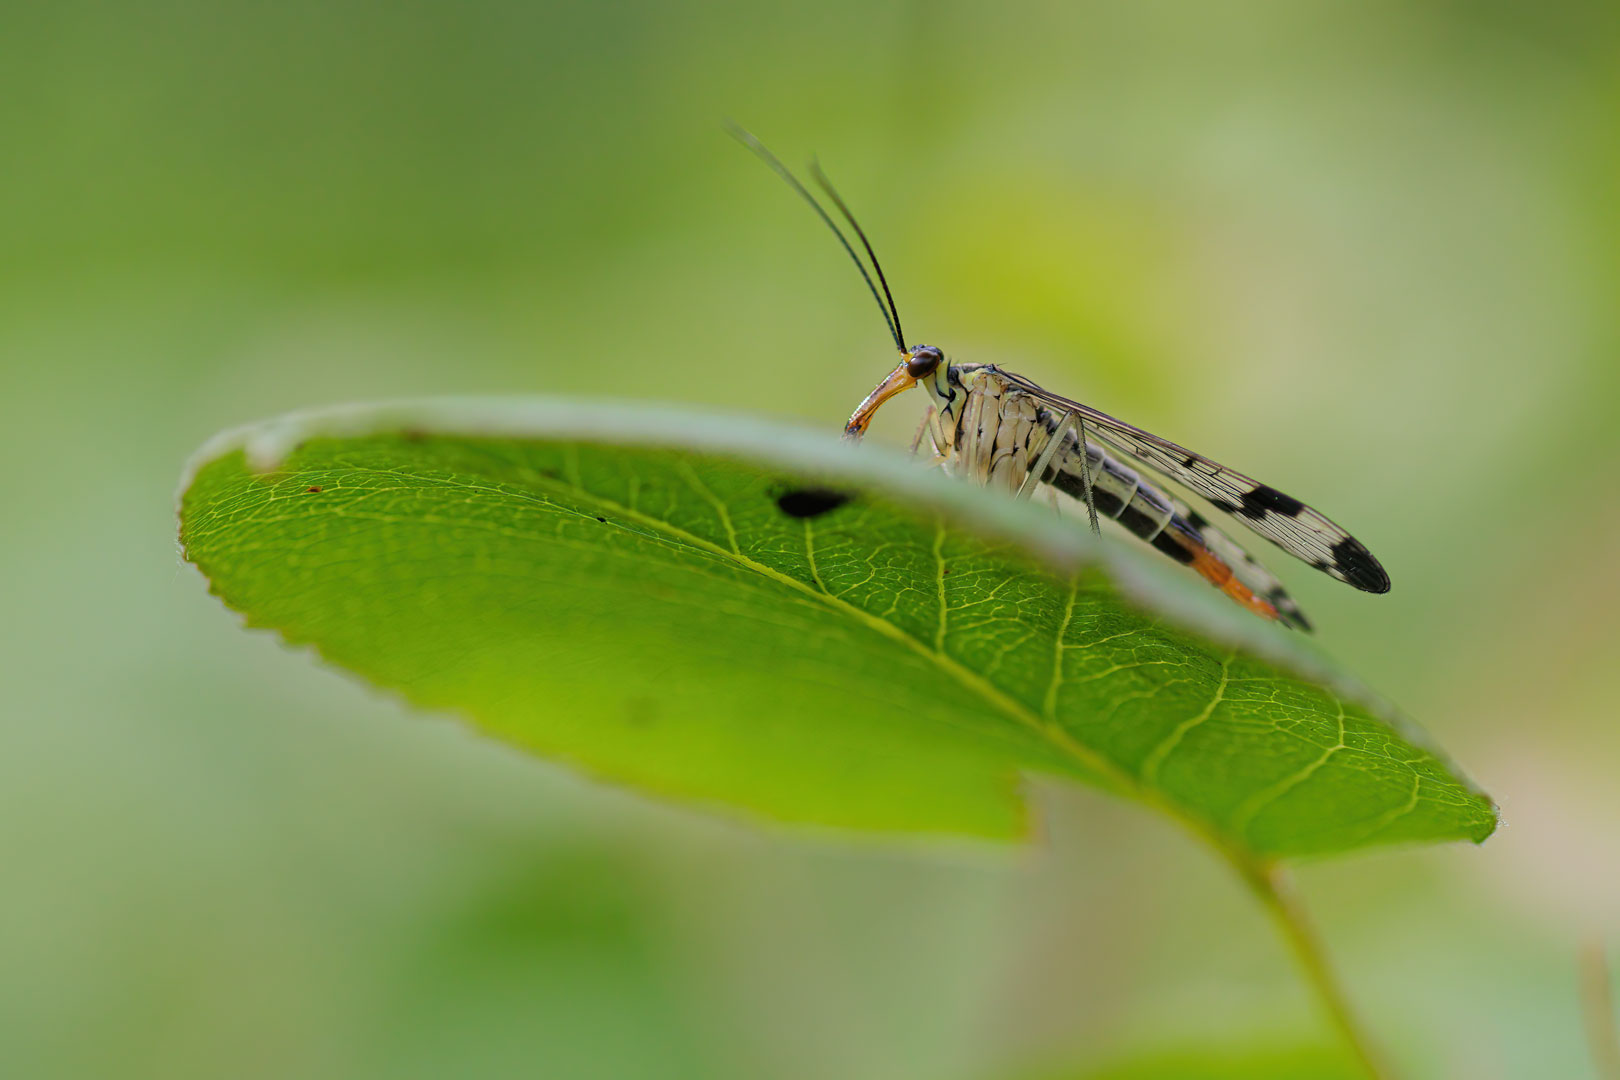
x,y
1296,528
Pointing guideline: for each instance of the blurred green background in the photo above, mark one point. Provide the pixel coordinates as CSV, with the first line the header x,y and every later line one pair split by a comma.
x,y
1369,252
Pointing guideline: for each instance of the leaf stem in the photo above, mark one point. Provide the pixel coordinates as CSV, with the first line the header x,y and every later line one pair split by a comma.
x,y
1275,891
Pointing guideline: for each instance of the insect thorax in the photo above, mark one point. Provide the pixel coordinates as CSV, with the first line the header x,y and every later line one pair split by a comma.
x,y
993,430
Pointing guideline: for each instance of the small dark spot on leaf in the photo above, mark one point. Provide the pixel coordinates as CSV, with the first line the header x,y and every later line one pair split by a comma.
x,y
810,502
603,520
945,572
314,490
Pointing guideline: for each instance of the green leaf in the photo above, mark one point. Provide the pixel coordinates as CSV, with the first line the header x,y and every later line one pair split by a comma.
x,y
758,617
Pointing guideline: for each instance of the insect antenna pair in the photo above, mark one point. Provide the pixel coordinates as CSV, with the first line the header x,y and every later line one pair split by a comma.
x,y
891,314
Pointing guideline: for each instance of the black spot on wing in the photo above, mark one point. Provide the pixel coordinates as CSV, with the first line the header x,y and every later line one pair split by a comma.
x,y
810,502
1358,567
1263,500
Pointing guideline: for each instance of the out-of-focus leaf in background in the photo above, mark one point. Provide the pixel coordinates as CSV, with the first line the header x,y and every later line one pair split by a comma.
x,y
1366,252
1218,1063
670,615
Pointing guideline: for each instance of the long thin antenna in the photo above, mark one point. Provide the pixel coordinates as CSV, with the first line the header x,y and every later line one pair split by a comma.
x,y
747,139
832,192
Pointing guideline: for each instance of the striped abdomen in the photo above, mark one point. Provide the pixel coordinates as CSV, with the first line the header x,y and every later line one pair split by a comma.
x,y
999,434
1119,492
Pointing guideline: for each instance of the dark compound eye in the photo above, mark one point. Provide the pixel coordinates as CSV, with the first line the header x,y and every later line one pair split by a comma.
x,y
924,359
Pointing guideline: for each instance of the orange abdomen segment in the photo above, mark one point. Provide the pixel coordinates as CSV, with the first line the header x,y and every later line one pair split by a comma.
x,y
1218,573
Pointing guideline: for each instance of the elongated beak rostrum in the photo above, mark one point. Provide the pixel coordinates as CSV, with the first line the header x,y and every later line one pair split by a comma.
x,y
897,381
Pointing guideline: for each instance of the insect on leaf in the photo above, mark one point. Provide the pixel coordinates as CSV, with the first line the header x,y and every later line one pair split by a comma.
x,y
723,611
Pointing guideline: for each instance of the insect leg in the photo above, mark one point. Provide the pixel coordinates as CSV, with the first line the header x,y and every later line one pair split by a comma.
x,y
1085,478
1034,475
941,435
925,426
929,426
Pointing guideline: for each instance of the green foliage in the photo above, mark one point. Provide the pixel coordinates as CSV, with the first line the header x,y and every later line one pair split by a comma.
x,y
628,591
566,925
1204,1063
